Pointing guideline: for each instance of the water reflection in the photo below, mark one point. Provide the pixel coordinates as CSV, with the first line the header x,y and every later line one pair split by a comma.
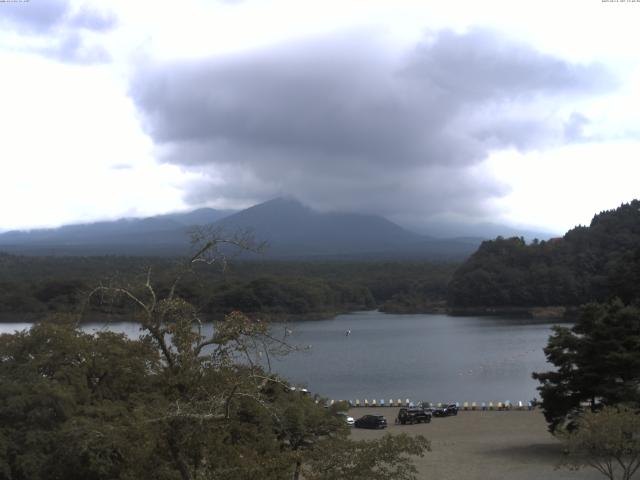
x,y
423,357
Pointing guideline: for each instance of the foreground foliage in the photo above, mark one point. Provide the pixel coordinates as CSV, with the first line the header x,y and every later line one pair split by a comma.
x,y
181,402
389,458
81,406
597,362
608,441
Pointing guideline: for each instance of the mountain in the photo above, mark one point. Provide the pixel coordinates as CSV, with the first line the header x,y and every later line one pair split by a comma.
x,y
162,234
291,230
201,216
594,263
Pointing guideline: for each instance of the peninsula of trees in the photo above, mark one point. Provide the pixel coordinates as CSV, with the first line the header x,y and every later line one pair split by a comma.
x,y
594,263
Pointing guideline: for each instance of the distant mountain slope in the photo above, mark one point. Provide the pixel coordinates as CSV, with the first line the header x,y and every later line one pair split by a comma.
x,y
162,234
589,263
291,230
452,229
294,230
290,227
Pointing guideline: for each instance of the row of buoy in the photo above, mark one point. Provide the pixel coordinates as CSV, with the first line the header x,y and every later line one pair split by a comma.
x,y
375,403
497,406
468,406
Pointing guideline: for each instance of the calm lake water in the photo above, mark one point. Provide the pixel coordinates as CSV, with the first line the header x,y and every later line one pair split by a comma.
x,y
420,357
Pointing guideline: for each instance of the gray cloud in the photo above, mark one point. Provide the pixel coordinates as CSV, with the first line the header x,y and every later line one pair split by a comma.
x,y
34,16
97,21
480,65
62,28
73,48
44,16
342,122
121,166
574,126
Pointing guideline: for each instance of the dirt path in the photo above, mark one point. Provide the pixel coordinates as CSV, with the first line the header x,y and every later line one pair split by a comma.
x,y
488,445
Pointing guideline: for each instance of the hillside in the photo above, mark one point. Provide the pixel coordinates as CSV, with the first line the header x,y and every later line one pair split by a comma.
x,y
162,234
591,263
291,230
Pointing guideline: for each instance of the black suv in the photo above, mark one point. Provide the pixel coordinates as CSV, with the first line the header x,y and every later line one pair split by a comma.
x,y
413,415
371,421
446,411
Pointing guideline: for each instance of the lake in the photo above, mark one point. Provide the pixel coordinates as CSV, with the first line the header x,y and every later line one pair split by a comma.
x,y
420,357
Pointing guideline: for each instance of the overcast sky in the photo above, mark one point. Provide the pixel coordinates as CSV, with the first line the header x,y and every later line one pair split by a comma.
x,y
525,113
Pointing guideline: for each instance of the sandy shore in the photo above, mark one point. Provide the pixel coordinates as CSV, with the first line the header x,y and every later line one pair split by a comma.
x,y
487,445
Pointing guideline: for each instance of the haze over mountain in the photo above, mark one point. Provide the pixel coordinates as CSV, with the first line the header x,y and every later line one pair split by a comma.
x,y
448,229
162,234
291,230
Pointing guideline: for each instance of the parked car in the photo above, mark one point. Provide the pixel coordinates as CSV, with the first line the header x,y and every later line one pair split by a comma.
x,y
347,418
411,415
446,411
371,421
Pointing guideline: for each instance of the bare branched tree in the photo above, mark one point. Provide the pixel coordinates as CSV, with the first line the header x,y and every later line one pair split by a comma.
x,y
206,369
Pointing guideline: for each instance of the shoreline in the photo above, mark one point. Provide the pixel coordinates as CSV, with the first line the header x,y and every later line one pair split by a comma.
x,y
560,313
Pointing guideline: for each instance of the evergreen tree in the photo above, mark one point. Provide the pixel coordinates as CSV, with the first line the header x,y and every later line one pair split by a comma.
x,y
597,361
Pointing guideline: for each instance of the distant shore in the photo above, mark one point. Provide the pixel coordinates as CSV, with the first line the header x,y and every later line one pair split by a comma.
x,y
483,445
556,312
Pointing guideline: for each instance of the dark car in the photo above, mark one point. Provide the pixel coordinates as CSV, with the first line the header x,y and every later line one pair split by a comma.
x,y
446,411
371,421
411,415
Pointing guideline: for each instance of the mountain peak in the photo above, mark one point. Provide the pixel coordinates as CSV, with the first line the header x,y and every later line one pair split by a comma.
x,y
285,204
292,230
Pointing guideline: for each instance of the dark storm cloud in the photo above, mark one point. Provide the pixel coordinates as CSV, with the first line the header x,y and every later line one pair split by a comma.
x,y
345,123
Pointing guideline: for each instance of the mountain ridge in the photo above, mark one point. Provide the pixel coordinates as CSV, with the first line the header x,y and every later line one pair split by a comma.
x,y
292,230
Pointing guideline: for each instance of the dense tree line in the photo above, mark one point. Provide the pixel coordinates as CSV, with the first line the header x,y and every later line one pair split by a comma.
x,y
594,263
39,285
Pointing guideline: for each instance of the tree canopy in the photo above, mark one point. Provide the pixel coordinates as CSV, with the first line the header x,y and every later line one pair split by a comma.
x,y
595,263
597,362
608,441
177,403
33,287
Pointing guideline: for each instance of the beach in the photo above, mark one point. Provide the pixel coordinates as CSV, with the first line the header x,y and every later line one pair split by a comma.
x,y
483,445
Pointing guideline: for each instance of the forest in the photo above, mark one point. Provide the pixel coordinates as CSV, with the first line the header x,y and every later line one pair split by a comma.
x,y
31,287
595,263
598,262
